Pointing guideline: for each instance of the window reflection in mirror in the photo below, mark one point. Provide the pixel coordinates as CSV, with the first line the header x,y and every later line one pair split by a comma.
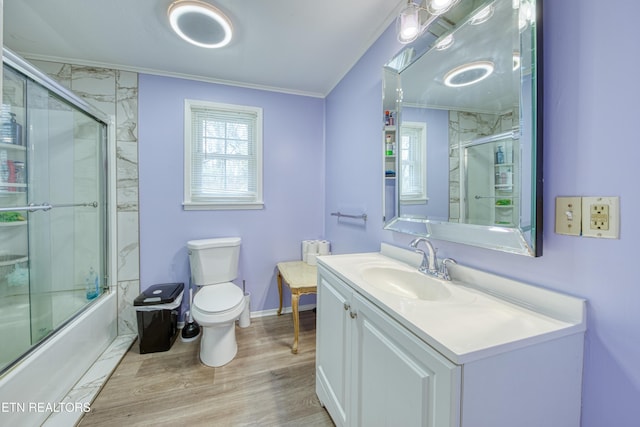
x,y
412,158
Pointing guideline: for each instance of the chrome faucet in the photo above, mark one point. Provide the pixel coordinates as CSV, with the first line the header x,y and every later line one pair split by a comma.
x,y
429,262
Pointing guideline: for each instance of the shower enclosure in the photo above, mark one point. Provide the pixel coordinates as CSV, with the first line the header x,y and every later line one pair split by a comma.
x,y
490,180
53,211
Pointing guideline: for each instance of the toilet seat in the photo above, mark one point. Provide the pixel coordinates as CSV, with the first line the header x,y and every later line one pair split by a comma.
x,y
219,298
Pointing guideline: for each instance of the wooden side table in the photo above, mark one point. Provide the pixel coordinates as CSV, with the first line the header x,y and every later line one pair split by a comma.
x,y
301,278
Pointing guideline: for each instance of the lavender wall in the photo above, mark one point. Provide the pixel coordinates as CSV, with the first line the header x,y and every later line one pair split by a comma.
x,y
293,185
591,148
353,141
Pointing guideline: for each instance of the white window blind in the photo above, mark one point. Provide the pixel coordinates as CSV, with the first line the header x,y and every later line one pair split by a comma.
x,y
223,156
413,162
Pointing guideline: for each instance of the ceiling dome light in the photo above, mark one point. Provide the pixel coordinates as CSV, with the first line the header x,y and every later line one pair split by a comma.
x,y
200,23
468,74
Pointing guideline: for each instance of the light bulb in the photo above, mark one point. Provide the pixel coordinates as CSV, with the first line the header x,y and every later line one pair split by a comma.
x,y
438,7
409,24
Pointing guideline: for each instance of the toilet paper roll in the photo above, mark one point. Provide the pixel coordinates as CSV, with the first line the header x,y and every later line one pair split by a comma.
x,y
324,247
308,246
312,259
313,247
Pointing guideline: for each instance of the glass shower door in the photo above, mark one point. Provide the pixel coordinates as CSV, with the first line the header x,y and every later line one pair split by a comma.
x,y
490,180
14,272
66,246
58,212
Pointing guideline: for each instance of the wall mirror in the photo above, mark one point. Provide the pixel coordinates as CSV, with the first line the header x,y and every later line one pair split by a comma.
x,y
462,130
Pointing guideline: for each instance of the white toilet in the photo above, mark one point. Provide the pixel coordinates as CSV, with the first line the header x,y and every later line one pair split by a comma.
x,y
218,302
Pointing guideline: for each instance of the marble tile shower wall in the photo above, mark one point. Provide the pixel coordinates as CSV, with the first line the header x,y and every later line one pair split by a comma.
x,y
115,93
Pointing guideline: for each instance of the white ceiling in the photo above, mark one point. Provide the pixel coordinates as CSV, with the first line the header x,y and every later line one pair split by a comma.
x,y
301,46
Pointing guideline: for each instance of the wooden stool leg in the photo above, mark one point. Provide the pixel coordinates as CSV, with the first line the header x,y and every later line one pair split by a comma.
x,y
280,292
296,321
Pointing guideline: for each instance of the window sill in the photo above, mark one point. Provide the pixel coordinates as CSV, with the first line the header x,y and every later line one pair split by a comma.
x,y
414,201
191,206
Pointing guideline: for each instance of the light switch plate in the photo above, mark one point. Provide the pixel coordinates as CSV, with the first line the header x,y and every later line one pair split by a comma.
x,y
601,217
568,215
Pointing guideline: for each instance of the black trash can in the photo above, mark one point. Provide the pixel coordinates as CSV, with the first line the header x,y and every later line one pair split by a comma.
x,y
158,311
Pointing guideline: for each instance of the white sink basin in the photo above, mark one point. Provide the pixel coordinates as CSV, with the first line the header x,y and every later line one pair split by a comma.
x,y
407,284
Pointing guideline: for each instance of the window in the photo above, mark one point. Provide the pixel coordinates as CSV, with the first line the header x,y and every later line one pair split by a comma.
x,y
223,156
413,162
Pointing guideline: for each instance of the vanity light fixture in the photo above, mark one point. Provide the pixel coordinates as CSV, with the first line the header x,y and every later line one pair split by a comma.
x,y
410,24
468,74
200,23
482,16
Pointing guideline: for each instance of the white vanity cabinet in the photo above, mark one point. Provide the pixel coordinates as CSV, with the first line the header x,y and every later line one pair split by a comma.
x,y
473,360
333,347
371,371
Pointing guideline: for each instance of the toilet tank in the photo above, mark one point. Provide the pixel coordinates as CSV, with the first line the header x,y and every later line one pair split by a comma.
x,y
214,260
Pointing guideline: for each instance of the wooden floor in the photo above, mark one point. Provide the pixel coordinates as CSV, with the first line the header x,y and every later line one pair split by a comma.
x,y
265,385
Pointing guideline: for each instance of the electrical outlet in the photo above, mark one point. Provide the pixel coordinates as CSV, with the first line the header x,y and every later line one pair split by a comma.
x,y
601,217
568,215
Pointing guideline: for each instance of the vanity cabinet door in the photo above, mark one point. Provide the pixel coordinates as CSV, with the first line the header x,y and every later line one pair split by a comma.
x,y
398,380
333,351
371,371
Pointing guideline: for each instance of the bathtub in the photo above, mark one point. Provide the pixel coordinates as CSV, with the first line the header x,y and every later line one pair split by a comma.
x,y
35,388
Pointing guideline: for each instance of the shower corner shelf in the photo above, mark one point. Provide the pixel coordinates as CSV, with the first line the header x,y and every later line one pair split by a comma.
x,y
12,223
12,185
8,263
16,147
6,193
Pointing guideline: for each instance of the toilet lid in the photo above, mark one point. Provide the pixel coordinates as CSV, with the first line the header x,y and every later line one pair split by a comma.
x,y
218,298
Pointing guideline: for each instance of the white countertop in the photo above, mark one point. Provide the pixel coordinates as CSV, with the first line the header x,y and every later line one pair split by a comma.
x,y
485,314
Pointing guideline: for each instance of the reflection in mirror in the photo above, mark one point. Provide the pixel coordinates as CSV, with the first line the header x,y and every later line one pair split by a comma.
x,y
465,160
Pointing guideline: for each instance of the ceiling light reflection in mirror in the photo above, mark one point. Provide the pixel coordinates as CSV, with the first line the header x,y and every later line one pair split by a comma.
x,y
468,74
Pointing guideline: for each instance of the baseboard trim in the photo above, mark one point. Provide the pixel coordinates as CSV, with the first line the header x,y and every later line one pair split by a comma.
x,y
274,311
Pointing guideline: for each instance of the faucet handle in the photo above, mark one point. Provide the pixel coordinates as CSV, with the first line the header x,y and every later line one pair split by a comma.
x,y
414,242
444,271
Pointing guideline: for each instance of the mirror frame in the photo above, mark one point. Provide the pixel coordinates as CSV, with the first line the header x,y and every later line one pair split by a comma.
x,y
507,239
